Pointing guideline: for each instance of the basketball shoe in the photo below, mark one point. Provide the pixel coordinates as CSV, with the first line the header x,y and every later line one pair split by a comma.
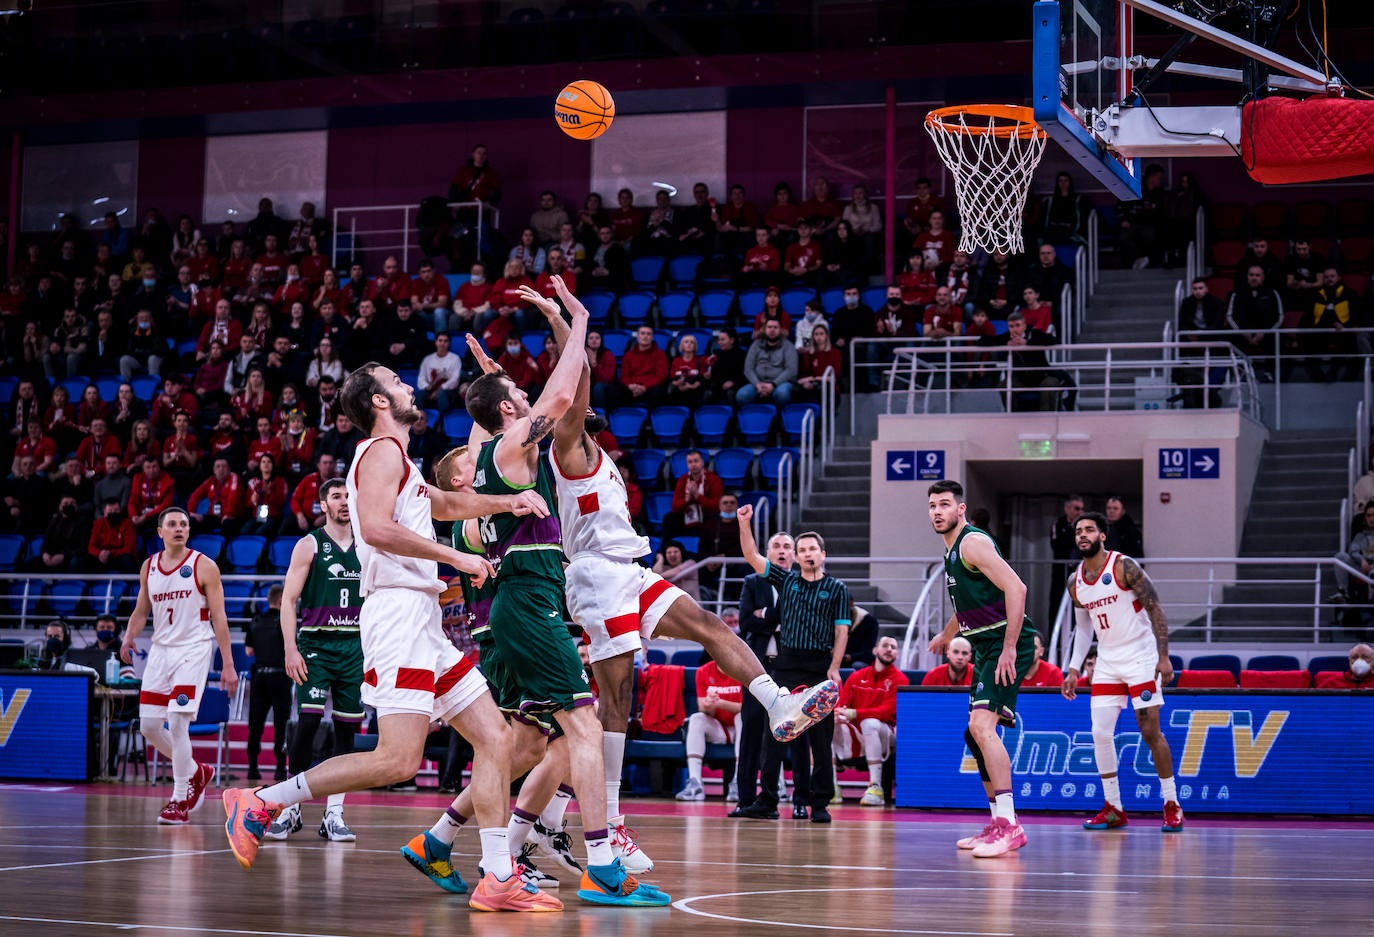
x,y
195,787
1109,818
612,885
1005,837
333,828
287,822
693,790
247,817
174,813
433,858
790,715
514,894
873,797
556,847
530,873
627,850
1173,818
979,838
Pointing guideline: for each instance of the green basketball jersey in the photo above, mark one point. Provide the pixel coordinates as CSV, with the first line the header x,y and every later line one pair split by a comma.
x,y
476,602
331,599
979,605
520,546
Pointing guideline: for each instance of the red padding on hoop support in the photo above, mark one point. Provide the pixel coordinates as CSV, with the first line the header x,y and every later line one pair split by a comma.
x,y
1283,140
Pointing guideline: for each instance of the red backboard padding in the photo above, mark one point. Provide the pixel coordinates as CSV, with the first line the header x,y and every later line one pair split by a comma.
x,y
1283,140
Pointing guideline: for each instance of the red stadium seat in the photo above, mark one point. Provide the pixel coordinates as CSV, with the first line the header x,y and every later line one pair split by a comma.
x,y
1206,679
1275,680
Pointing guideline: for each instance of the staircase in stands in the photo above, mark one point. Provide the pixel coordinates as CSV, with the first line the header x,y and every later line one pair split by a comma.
x,y
1128,306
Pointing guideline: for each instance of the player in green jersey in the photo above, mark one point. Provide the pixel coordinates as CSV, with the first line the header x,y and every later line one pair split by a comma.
x,y
990,611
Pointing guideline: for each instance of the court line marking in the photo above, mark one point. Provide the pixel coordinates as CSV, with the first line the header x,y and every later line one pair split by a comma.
x,y
167,927
160,855
685,904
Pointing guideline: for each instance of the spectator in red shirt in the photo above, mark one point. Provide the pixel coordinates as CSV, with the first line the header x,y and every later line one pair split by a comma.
x,y
264,443
762,262
936,240
1359,676
519,364
718,703
175,396
91,408
328,290
772,311
943,319
37,446
506,304
273,263
142,445
957,672
476,180
217,502
254,400
696,497
547,360
293,290
181,453
226,440
1039,314
267,496
812,363
602,363
687,374
1043,673
236,267
627,222
917,281
113,541
820,209
643,371
59,420
922,206
297,444
429,295
391,287
153,492
782,216
804,258
204,265
306,511
866,716
472,302
95,447
736,221
555,264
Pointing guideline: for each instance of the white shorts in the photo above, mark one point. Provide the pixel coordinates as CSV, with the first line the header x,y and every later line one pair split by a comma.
x,y
849,739
713,730
174,677
616,603
1135,678
409,666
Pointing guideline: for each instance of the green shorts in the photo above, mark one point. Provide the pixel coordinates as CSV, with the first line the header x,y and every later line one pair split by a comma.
x,y
334,666
534,648
986,692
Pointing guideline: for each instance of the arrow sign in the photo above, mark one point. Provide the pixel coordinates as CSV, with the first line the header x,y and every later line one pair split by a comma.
x,y
1204,463
901,465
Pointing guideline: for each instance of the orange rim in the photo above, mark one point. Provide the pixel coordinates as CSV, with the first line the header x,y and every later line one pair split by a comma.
x,y
1003,120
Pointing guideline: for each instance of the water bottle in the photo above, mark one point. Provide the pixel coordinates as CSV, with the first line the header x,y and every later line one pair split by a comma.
x,y
112,670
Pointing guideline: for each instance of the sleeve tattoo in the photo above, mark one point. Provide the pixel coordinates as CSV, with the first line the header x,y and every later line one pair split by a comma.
x,y
540,426
1134,577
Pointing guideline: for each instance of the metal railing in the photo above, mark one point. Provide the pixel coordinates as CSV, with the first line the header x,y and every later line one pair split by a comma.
x,y
1200,239
392,229
1094,256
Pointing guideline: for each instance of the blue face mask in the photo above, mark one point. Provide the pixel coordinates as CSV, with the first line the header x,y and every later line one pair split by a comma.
x,y
727,515
149,283
104,635
55,646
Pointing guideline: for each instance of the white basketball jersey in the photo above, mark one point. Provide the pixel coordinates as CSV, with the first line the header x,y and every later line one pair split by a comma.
x,y
1123,629
411,510
594,513
180,613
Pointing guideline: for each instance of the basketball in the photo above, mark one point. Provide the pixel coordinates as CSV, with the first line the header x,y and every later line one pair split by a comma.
x,y
584,110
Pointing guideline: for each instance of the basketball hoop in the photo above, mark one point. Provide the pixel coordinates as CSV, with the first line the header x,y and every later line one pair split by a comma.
x,y
992,151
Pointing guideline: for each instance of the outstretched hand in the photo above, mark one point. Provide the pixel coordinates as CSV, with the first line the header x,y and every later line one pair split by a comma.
x,y
479,354
565,295
744,513
547,306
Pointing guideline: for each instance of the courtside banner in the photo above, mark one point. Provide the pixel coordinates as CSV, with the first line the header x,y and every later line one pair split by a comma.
x,y
45,726
1239,752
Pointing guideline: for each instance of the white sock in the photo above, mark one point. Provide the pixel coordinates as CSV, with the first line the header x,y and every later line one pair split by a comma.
x,y
1005,809
334,804
694,768
446,830
1111,790
875,774
992,808
518,830
552,817
496,853
1167,789
766,690
613,753
288,792
599,849
183,762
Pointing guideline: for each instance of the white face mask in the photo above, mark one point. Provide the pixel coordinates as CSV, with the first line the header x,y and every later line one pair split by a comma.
x,y
476,279
1359,667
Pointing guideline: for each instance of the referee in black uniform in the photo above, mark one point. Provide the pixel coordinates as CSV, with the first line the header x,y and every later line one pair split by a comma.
x,y
271,688
814,612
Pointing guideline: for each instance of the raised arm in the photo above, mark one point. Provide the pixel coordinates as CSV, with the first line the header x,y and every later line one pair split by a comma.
x,y
747,547
1129,574
980,553
575,450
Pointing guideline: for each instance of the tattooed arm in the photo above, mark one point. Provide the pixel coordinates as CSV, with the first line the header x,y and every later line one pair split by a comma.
x,y
1129,574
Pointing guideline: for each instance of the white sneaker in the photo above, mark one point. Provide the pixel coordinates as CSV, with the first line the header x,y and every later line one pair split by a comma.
x,y
792,714
333,828
693,790
1004,838
528,874
838,796
873,797
732,795
628,852
555,846
287,822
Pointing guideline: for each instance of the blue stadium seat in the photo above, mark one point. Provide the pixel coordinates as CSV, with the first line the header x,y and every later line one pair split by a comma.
x,y
648,464
682,271
663,338
770,464
209,544
703,337
237,599
243,552
668,424
108,387
1324,663
279,553
646,271
1273,662
534,343
714,307
794,301
598,306
65,596
626,423
187,347
711,422
1228,662
11,547
685,657
655,545
732,465
832,300
874,297
33,548
691,546
677,462
673,309
750,304
103,595
411,376
457,425
616,341
792,416
146,387
755,422
456,280
657,504
76,386
8,385
999,326
756,497
432,416
656,655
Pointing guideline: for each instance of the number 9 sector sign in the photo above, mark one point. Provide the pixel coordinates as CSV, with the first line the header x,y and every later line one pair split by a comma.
x,y
1234,752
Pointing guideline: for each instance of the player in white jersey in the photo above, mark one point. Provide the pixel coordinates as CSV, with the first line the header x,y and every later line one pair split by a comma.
x,y
412,674
182,590
1112,595
617,602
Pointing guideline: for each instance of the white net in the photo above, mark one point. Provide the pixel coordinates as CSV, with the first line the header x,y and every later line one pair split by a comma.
x,y
992,152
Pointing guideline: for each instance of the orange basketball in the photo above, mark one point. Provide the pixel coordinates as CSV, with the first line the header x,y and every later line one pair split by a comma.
x,y
584,110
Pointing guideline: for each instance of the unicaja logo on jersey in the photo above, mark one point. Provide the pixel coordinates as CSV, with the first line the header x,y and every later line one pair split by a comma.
x,y
338,571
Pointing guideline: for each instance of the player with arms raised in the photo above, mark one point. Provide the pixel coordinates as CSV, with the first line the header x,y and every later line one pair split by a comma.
x,y
1112,595
182,590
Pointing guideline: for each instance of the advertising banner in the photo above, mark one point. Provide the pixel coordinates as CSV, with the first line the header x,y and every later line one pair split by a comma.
x,y
45,726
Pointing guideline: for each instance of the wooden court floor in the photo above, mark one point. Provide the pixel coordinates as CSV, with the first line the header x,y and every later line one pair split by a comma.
x,y
90,860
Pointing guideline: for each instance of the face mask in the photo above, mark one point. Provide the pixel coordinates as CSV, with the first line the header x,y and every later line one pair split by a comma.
x,y
114,517
727,515
104,636
1359,667
149,284
512,349
894,301
851,301
292,278
55,646
68,510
